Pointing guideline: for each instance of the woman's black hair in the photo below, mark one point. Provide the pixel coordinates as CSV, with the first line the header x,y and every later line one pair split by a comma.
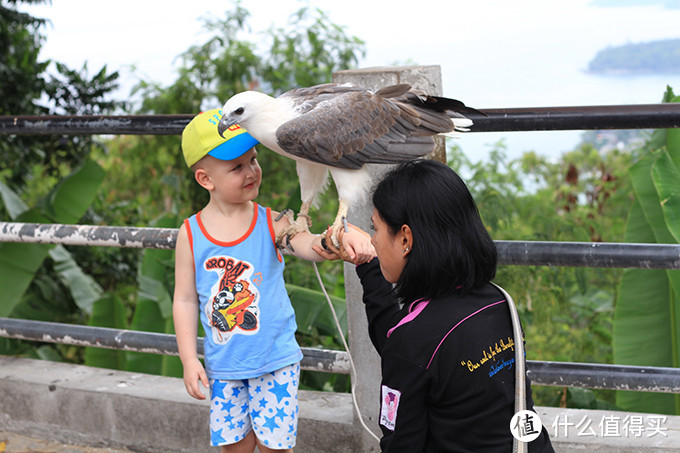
x,y
452,251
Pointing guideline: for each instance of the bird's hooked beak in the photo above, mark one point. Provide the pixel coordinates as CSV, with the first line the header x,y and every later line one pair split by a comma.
x,y
225,123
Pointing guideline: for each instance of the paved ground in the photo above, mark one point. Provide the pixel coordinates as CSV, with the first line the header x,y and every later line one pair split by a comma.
x,y
15,443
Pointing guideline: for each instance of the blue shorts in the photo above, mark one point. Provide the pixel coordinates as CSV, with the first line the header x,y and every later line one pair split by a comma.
x,y
267,404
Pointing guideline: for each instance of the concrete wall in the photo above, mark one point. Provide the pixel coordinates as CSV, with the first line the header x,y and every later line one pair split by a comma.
x,y
99,407
144,413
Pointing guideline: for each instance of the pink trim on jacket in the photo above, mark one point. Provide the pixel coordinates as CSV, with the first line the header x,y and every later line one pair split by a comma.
x,y
454,327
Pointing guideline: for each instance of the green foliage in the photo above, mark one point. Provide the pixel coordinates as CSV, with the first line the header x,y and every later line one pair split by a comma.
x,y
149,311
84,289
317,328
74,93
314,316
647,319
566,312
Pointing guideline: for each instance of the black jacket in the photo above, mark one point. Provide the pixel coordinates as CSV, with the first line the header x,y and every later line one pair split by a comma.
x,y
448,381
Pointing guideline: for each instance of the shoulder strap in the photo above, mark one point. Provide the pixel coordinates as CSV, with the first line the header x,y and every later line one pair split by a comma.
x,y
520,368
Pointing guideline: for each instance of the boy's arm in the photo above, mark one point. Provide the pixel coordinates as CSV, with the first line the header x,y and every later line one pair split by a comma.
x,y
357,247
185,316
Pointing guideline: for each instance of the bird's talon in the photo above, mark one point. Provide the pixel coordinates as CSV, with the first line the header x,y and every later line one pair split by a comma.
x,y
289,246
284,243
284,237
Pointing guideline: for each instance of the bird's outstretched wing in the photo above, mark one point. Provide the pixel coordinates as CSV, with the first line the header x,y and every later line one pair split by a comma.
x,y
346,126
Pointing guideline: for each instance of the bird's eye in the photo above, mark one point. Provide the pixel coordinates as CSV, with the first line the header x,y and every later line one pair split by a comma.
x,y
239,111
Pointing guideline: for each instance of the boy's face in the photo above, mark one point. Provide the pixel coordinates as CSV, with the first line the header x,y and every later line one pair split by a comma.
x,y
236,180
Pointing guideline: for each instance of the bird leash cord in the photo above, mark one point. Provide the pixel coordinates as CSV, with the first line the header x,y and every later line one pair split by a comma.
x,y
353,370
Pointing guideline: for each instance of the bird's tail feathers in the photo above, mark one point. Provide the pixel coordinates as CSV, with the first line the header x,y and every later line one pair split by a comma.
x,y
462,124
437,123
452,134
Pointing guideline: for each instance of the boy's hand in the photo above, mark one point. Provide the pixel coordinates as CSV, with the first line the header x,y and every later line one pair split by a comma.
x,y
193,374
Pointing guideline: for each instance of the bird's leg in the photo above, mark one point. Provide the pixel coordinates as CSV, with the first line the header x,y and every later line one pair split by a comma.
x,y
302,223
340,222
304,213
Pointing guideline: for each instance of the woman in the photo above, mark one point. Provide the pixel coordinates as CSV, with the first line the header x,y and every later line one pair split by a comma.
x,y
443,331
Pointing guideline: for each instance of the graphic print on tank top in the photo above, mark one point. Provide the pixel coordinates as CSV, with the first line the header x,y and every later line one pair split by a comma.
x,y
234,299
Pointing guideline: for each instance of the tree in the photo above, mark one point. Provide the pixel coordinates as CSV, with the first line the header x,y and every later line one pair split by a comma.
x,y
22,82
31,164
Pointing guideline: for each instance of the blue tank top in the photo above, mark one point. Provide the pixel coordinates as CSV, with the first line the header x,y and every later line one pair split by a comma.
x,y
245,311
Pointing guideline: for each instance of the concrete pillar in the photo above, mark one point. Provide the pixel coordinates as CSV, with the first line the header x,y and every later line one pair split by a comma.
x,y
366,360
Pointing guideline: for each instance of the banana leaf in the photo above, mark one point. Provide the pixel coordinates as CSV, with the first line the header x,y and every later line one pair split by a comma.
x,y
312,312
83,288
642,327
108,311
666,179
647,315
153,311
66,203
13,203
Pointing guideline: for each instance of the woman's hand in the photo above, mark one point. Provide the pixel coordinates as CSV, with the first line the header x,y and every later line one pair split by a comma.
x,y
355,246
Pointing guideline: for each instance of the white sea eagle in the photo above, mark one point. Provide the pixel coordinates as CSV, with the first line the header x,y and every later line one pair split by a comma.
x,y
339,128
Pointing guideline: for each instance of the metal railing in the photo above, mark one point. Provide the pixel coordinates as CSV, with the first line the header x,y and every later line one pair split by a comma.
x,y
525,253
572,254
640,116
562,374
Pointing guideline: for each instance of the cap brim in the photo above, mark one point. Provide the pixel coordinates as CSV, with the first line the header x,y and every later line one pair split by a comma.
x,y
234,147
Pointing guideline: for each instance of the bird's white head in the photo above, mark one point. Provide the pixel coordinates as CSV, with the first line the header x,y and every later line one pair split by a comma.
x,y
244,109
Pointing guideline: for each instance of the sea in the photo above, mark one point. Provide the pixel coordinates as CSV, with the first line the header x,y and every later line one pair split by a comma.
x,y
560,80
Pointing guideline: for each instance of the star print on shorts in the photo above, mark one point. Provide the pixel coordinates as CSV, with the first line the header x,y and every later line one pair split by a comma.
x,y
267,404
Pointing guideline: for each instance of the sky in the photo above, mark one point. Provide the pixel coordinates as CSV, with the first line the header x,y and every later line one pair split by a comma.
x,y
492,53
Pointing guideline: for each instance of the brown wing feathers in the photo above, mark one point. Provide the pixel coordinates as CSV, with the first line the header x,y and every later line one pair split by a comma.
x,y
347,127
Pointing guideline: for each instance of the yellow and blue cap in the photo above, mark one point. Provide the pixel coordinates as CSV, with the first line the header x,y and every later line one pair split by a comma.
x,y
200,138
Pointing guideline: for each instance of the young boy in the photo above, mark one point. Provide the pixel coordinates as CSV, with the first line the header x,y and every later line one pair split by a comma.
x,y
228,272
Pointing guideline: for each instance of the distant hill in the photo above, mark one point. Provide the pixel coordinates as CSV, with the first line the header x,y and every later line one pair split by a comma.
x,y
644,58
